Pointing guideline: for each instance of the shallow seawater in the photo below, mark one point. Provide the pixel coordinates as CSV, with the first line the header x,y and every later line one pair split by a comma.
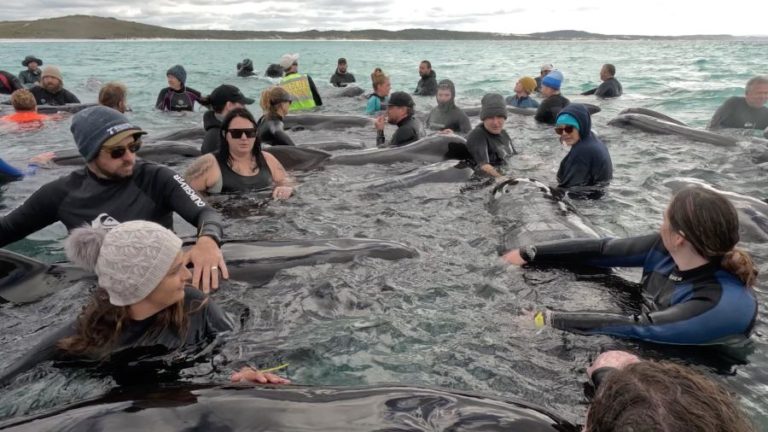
x,y
449,317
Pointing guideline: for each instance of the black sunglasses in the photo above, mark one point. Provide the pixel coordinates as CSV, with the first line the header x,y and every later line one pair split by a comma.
x,y
238,133
567,129
118,152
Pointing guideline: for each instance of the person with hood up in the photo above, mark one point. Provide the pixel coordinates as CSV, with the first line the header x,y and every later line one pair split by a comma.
x,y
427,85
588,164
245,69
31,75
446,117
522,98
177,96
488,143
341,77
554,102
224,99
51,89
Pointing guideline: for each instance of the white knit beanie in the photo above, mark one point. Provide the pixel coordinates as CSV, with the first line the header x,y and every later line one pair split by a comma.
x,y
130,260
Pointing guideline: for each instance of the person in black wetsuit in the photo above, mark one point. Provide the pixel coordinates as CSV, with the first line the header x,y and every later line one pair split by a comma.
x,y
275,103
399,112
341,77
239,165
142,306
224,99
114,95
427,85
550,107
177,96
31,75
116,187
748,112
587,168
51,89
245,69
9,83
610,86
446,117
696,287
489,143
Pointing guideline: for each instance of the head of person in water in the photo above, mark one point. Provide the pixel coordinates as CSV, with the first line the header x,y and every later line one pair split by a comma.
x,y
756,92
114,95
107,141
23,101
226,97
568,128
700,226
31,63
240,138
446,93
177,77
399,107
141,274
493,113
550,84
663,396
545,69
381,84
525,86
245,65
425,68
608,71
341,66
275,102
290,63
51,79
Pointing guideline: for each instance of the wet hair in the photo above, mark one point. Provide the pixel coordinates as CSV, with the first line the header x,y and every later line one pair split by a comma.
x,y
426,62
610,68
261,163
378,77
270,101
661,396
111,94
710,223
756,80
23,100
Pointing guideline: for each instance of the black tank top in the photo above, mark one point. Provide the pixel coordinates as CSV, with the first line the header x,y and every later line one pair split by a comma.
x,y
234,182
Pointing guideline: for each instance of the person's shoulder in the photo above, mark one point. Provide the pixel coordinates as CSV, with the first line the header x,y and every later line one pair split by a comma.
x,y
478,132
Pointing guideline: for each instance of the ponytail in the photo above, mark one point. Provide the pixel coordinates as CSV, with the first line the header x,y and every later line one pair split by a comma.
x,y
378,78
740,264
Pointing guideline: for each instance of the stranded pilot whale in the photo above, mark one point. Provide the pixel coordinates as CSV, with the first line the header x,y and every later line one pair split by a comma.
x,y
435,148
475,111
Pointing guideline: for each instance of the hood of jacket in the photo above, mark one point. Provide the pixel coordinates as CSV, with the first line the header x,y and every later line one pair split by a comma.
x,y
580,113
447,106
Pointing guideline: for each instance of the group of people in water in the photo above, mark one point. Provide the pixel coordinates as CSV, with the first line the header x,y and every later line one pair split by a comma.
x,y
697,287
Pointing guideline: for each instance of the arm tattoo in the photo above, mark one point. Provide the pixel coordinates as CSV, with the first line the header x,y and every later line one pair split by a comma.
x,y
199,168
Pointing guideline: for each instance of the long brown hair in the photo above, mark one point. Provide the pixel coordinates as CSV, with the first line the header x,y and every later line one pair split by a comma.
x,y
662,396
710,223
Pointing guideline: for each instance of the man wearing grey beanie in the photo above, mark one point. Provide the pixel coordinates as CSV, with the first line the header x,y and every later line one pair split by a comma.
x,y
117,187
489,143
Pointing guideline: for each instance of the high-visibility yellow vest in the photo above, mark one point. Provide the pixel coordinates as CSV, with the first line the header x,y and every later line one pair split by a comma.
x,y
298,86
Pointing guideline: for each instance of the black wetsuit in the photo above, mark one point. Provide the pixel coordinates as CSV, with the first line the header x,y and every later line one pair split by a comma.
x,y
212,138
488,148
29,78
550,107
205,322
448,115
703,306
609,88
408,130
341,80
152,193
427,86
9,83
588,163
736,113
178,100
234,182
272,132
44,97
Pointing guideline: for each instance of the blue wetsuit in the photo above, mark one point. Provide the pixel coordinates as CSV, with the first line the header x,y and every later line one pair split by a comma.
x,y
703,306
8,173
375,103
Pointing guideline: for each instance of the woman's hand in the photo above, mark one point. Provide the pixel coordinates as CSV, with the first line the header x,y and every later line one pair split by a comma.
x,y
249,374
282,192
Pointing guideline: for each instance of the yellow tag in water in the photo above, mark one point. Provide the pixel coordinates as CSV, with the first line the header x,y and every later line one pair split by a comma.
x,y
538,319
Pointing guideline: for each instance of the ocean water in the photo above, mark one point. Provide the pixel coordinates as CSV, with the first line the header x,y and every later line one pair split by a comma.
x,y
450,316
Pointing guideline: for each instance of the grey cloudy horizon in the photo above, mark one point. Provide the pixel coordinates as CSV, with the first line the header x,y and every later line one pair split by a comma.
x,y
740,18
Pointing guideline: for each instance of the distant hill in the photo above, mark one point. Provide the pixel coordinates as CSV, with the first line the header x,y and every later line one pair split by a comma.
x,y
93,27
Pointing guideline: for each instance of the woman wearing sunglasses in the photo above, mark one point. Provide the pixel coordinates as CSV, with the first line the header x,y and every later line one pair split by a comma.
x,y
587,167
239,165
696,287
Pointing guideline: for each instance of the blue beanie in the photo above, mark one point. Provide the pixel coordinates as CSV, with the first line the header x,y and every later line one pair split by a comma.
x,y
553,80
567,119
95,126
179,72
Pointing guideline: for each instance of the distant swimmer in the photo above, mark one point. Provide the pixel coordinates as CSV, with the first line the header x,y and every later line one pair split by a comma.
x,y
240,165
489,144
610,86
26,108
245,68
32,74
544,70
224,99
400,111
554,102
9,83
300,86
114,95
381,88
177,96
587,168
274,71
341,77
522,98
748,112
51,89
427,85
275,103
446,116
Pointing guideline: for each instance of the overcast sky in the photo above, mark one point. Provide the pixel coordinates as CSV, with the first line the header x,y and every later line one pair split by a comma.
x,y
641,17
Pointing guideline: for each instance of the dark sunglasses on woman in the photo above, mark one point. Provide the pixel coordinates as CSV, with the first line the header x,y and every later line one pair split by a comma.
x,y
238,133
118,152
567,129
